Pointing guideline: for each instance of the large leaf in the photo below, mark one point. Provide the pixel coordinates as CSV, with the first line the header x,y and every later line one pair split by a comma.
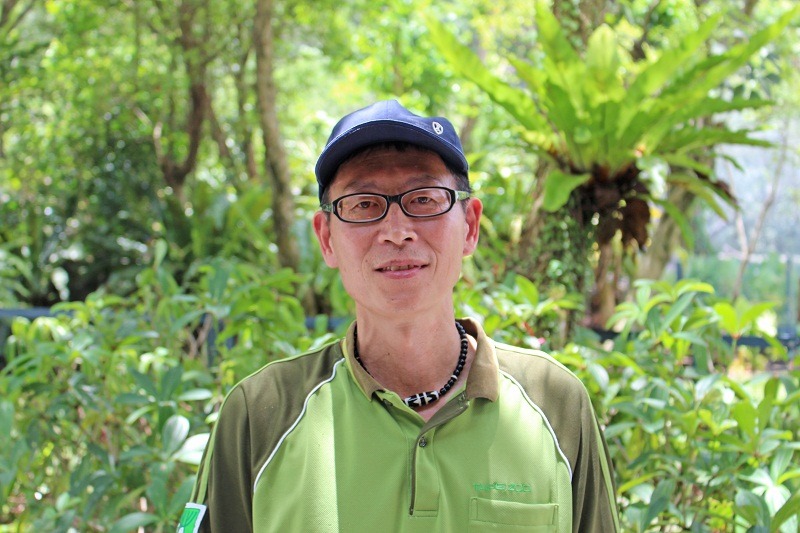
x,y
705,79
603,66
133,521
175,431
658,73
704,190
554,41
790,509
753,508
689,139
469,65
659,501
558,186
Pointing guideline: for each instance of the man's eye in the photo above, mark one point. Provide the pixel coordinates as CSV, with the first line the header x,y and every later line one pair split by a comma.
x,y
365,204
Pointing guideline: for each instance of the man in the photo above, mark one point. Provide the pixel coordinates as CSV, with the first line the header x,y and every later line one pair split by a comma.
x,y
415,421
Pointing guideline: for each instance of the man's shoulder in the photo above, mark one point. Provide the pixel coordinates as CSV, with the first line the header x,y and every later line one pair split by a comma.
x,y
293,375
538,371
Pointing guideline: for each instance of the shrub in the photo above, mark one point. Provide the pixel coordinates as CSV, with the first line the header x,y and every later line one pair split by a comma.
x,y
108,403
694,449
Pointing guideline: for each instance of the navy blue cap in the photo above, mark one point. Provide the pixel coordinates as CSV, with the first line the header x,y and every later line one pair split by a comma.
x,y
387,121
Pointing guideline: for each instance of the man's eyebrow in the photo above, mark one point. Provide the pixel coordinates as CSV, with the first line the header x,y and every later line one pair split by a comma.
x,y
412,183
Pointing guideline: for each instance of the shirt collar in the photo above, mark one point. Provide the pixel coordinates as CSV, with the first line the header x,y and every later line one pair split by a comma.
x,y
482,381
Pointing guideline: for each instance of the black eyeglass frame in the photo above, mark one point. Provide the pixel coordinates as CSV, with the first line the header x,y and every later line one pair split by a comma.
x,y
455,196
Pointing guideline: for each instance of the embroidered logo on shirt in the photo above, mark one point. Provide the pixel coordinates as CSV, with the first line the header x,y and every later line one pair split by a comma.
x,y
191,518
503,487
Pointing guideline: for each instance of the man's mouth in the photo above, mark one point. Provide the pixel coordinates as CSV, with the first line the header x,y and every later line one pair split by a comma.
x,y
399,268
396,268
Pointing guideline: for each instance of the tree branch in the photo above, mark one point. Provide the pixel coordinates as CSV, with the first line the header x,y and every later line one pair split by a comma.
x,y
765,207
638,47
5,16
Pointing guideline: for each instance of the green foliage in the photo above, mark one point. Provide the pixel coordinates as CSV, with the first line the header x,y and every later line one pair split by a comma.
x,y
764,281
107,405
512,309
598,115
693,448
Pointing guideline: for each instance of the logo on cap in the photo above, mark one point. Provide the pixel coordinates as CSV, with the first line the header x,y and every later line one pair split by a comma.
x,y
437,128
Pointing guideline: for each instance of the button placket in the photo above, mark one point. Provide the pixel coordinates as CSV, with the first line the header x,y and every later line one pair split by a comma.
x,y
425,477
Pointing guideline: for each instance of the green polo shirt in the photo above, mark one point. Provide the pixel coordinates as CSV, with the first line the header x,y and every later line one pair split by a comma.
x,y
314,444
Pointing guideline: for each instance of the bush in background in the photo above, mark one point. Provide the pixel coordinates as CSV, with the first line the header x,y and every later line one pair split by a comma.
x,y
108,405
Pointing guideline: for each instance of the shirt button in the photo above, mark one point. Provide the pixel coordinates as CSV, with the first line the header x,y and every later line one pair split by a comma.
x,y
423,442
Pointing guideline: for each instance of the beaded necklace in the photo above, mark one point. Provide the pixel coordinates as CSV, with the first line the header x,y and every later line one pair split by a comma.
x,y
425,398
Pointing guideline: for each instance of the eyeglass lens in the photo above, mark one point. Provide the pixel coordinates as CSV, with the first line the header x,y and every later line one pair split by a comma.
x,y
425,202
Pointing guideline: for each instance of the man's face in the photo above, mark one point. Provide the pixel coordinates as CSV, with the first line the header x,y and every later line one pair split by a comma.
x,y
398,264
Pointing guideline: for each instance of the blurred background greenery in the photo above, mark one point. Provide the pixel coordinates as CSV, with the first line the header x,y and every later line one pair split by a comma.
x,y
638,164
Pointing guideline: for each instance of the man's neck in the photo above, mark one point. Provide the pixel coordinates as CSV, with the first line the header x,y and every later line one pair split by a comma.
x,y
412,356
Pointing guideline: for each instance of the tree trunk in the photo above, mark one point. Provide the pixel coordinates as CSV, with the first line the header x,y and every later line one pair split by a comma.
x,y
554,252
581,19
276,161
603,300
174,171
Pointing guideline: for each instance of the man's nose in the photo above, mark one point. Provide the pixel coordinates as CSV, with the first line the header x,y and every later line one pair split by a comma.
x,y
397,227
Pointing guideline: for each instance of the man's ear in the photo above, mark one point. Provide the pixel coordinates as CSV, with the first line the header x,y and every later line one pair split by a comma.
x,y
473,220
322,229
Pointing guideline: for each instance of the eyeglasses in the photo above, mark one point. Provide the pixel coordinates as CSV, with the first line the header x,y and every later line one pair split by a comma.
x,y
424,202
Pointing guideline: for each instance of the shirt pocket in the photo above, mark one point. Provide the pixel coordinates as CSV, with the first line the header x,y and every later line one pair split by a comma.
x,y
495,515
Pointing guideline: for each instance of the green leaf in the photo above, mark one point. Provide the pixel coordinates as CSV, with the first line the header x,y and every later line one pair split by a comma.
x,y
630,484
465,62
603,63
219,282
661,71
175,431
728,318
160,253
170,381
195,395
790,509
157,490
751,315
767,403
133,521
6,417
745,415
737,56
675,311
554,41
659,501
189,318
527,288
753,508
558,187
131,398
144,382
703,189
181,496
192,450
